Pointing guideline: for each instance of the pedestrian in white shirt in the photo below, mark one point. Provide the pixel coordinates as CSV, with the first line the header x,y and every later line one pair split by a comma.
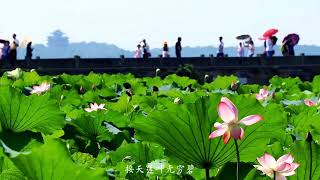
x,y
138,53
240,50
269,47
165,51
250,46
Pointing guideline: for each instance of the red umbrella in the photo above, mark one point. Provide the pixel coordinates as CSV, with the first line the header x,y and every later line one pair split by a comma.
x,y
262,38
270,33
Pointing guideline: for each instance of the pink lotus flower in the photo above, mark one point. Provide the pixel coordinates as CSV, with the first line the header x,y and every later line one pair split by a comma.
x,y
283,167
228,112
40,89
262,95
95,107
309,102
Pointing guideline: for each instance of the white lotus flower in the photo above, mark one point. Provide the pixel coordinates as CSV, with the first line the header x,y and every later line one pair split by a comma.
x,y
40,89
95,107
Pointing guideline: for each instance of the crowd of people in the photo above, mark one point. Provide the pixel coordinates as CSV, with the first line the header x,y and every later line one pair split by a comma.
x,y
9,50
143,49
286,48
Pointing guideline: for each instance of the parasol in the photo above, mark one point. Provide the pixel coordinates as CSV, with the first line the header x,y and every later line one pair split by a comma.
x,y
270,33
294,38
243,37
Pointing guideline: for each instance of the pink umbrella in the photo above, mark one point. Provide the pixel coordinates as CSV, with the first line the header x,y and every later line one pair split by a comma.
x,y
292,37
270,32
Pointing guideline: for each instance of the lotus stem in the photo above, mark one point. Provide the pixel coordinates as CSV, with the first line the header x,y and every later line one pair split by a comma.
x,y
238,158
207,173
310,140
310,152
274,175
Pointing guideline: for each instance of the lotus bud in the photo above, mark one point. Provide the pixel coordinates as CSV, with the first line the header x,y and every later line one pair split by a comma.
x,y
61,97
178,100
81,90
94,87
136,108
309,137
127,158
155,89
16,74
157,71
234,85
206,77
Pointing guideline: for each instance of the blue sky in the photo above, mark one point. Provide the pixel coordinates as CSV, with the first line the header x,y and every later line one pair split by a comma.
x,y
125,22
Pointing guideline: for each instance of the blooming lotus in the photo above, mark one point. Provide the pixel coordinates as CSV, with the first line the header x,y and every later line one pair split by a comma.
x,y
95,107
281,168
262,95
228,112
309,102
40,89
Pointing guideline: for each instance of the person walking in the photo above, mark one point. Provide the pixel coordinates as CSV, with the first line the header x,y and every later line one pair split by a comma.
x,y
250,47
178,48
269,47
165,52
13,50
240,50
146,49
138,53
5,51
29,51
290,47
28,56
220,52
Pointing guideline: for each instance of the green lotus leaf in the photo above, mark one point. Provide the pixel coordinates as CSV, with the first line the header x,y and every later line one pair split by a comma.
x,y
180,81
20,113
86,160
52,161
307,155
8,171
92,127
137,154
316,84
93,79
71,79
183,130
307,120
221,82
28,79
290,85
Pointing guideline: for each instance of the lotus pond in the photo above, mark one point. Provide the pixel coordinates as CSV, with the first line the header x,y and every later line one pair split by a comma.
x,y
100,126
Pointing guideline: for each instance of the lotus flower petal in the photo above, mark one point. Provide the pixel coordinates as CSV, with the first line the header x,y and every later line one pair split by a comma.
x,y
226,112
285,158
231,105
219,132
252,119
267,161
226,137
